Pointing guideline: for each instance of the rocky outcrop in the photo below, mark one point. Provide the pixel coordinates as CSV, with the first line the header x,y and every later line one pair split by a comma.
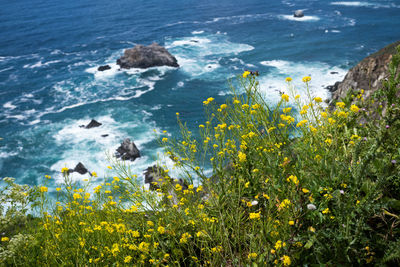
x,y
92,124
103,68
127,150
143,57
79,168
367,74
298,14
155,176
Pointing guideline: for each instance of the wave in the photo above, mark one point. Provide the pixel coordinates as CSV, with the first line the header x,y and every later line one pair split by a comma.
x,y
39,64
364,4
321,73
305,18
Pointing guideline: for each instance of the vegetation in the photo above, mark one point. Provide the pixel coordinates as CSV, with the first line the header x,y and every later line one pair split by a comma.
x,y
320,187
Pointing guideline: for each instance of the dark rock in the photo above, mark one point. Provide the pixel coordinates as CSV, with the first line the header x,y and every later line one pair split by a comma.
x,y
93,124
80,168
127,150
368,74
103,68
334,72
298,14
104,135
143,57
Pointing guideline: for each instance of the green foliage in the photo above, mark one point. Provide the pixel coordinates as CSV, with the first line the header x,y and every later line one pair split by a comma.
x,y
318,188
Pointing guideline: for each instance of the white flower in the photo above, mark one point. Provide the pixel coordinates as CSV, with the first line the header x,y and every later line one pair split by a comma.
x,y
311,207
255,202
341,192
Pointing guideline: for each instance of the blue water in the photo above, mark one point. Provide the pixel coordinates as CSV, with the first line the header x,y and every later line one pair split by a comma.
x,y
50,50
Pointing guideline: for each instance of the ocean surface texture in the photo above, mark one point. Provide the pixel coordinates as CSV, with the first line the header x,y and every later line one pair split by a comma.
x,y
50,52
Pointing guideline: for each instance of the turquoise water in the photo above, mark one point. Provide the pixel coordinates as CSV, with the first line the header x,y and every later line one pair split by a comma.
x,y
49,53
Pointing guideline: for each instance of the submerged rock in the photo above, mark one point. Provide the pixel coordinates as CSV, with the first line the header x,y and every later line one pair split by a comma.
x,y
127,150
103,68
143,57
298,14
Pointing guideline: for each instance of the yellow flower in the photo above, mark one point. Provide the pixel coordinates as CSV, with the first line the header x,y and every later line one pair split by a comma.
x,y
297,97
279,244
305,190
165,139
287,110
242,156
324,114
328,141
5,239
301,123
288,79
58,189
291,222
306,79
76,196
94,174
252,255
354,108
340,104
318,99
246,73
254,215
184,238
127,259
223,106
285,97
286,260
326,211
43,189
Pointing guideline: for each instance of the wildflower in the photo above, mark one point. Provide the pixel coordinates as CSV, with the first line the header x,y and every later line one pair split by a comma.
x,y
76,196
305,190
252,255
328,141
43,189
47,176
297,97
318,99
286,260
184,238
94,174
223,106
285,97
128,259
279,244
246,73
64,170
291,222
311,229
242,156
354,108
293,178
324,114
288,79
340,104
311,207
301,123
287,110
165,139
5,239
161,229
326,211
255,215
306,79
285,203
58,189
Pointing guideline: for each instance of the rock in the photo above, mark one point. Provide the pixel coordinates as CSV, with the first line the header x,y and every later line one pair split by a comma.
x,y
367,74
143,57
104,135
103,68
334,72
80,168
93,124
127,150
298,14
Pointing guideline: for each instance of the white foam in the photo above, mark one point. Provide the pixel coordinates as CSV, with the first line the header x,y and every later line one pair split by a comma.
x,y
40,64
305,18
6,69
9,105
197,32
322,75
364,4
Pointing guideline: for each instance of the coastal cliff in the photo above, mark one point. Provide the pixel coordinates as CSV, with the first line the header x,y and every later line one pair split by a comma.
x,y
368,74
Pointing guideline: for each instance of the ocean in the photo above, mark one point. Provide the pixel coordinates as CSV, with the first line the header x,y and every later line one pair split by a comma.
x,y
50,52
